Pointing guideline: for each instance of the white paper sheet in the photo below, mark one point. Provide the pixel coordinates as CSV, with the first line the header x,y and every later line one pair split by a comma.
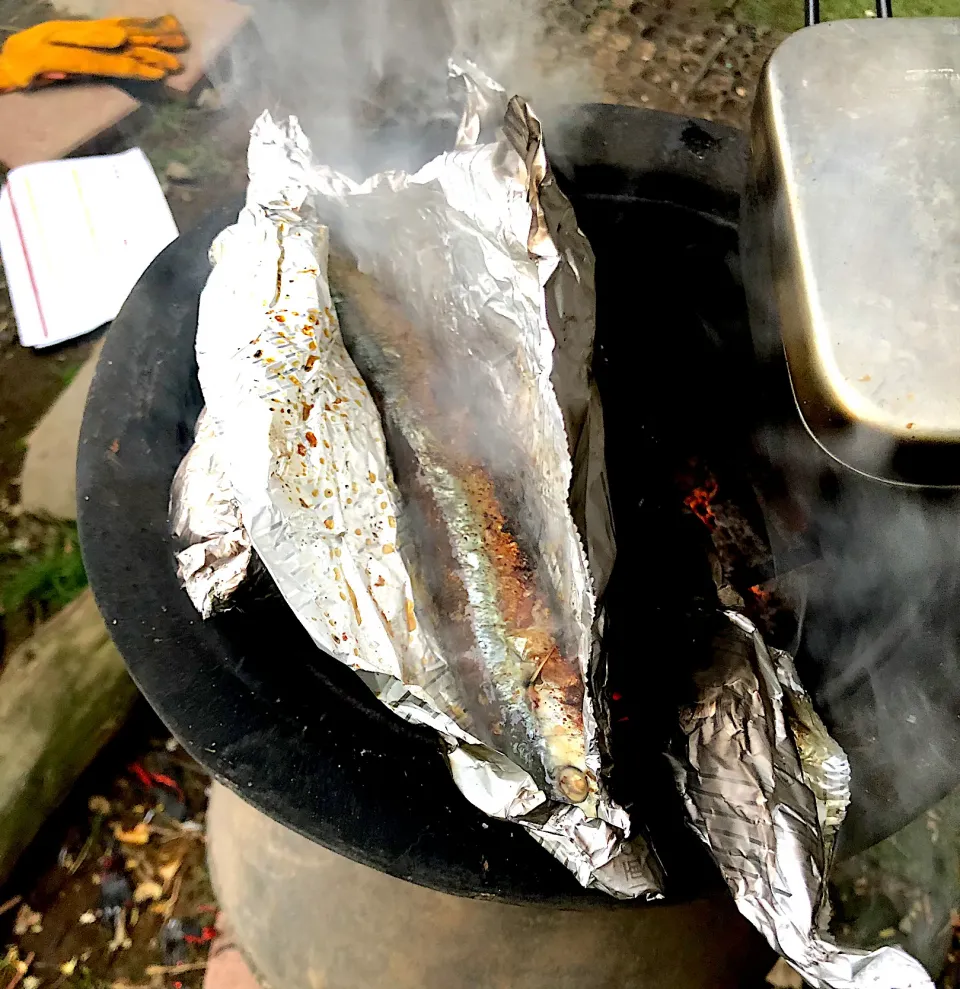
x,y
75,235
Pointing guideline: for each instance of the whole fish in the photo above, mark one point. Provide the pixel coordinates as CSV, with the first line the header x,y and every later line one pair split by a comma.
x,y
489,606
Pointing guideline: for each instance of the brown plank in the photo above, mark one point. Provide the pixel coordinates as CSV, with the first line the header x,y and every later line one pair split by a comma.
x,y
49,123
210,25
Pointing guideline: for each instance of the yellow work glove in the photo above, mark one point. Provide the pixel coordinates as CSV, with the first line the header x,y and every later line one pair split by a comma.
x,y
121,47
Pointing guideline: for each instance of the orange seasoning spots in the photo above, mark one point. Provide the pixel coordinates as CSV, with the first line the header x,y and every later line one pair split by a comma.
x,y
328,522
388,548
379,582
358,532
311,360
311,439
327,493
302,450
306,410
391,521
279,318
311,346
302,502
326,444
383,505
373,477
411,617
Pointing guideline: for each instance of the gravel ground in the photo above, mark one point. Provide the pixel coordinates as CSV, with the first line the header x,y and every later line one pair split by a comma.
x,y
683,56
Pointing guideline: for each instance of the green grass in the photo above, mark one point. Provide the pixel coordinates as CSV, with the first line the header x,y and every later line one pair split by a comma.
x,y
787,15
45,580
68,372
177,133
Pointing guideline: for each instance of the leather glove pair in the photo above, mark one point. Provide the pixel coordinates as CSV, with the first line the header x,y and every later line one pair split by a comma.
x,y
119,47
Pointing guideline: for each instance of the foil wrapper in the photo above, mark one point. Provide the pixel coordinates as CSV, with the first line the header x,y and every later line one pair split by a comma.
x,y
471,245
766,789
205,520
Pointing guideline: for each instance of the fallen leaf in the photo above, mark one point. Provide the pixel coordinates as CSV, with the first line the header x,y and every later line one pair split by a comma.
x,y
169,869
87,918
147,891
68,968
26,918
138,835
30,982
99,805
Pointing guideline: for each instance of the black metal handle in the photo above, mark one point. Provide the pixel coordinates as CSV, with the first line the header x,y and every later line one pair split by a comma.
x,y
811,10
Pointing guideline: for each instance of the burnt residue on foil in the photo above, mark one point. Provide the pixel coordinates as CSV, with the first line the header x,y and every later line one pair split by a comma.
x,y
465,252
766,789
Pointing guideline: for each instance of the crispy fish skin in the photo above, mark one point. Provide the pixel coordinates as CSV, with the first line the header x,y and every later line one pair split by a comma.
x,y
530,695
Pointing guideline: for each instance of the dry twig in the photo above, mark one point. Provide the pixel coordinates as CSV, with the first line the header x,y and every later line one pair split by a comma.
x,y
21,971
10,904
152,970
174,895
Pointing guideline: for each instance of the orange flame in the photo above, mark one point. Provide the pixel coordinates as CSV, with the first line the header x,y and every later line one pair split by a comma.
x,y
760,594
699,502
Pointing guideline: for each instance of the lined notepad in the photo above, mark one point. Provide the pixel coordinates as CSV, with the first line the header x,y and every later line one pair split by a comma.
x,y
75,236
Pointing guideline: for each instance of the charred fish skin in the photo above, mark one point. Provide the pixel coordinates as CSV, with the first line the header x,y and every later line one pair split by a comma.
x,y
504,671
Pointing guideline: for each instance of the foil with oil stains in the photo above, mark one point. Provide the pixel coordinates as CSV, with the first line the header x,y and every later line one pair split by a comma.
x,y
205,520
480,238
766,788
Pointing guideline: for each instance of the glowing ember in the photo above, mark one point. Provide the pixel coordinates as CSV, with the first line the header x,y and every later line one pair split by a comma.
x,y
760,594
699,501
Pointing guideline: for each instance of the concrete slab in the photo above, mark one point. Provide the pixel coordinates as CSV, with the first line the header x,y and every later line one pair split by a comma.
x,y
50,123
48,484
307,918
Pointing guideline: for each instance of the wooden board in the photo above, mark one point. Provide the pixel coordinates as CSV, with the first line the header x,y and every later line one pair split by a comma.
x,y
63,694
210,25
46,124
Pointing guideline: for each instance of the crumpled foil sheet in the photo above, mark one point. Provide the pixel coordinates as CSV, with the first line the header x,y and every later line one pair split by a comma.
x,y
205,519
766,788
301,439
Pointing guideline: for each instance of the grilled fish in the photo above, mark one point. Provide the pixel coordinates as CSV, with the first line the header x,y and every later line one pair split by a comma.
x,y
490,607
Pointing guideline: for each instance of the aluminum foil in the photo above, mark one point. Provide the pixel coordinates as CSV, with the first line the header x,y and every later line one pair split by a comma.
x,y
205,519
466,244
766,789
